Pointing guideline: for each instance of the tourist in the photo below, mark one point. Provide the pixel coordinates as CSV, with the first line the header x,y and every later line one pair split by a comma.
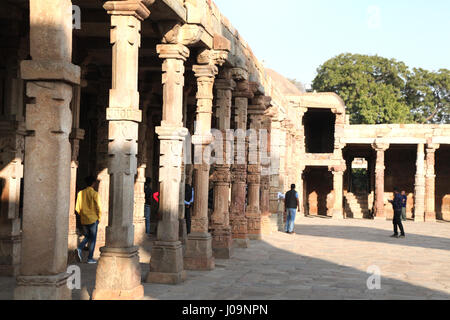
x,y
148,203
397,204
404,202
291,204
188,202
89,209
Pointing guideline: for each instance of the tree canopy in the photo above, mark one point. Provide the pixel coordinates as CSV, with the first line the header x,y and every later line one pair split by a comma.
x,y
378,90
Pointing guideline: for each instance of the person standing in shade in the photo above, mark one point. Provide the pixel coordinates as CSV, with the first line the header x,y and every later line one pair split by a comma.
x,y
188,202
148,203
397,204
404,202
292,204
89,209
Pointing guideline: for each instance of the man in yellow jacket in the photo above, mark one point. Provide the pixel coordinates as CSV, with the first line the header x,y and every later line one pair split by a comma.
x,y
89,209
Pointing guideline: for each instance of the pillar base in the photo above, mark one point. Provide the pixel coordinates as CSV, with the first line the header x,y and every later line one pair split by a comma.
x,y
430,217
419,219
241,243
280,222
199,254
118,275
266,224
183,231
222,243
43,287
338,215
255,236
166,264
10,256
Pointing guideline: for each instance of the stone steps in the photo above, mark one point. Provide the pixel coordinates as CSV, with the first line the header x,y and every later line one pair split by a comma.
x,y
356,206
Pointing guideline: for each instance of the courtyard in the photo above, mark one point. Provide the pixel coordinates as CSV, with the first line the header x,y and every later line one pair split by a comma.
x,y
325,259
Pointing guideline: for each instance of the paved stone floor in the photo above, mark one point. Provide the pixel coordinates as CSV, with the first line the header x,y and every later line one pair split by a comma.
x,y
326,259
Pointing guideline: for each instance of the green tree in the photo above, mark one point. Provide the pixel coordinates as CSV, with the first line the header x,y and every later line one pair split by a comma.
x,y
428,94
372,87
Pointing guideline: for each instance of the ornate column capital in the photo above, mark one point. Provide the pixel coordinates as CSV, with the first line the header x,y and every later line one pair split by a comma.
x,y
432,147
172,51
340,169
135,8
380,146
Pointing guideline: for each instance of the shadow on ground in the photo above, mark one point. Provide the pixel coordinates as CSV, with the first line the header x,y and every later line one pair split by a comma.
x,y
265,272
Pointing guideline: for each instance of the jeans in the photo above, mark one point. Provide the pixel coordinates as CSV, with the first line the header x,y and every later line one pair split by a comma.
x,y
90,232
404,214
290,219
398,223
147,213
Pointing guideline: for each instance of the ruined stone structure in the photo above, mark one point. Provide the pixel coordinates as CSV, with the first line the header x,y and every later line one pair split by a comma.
x,y
142,91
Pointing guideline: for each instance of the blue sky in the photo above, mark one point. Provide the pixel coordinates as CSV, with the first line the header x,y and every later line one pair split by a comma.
x,y
295,37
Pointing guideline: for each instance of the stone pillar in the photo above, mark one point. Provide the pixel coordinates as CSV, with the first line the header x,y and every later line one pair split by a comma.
x,y
380,149
118,271
266,227
12,136
222,242
12,144
430,183
199,254
76,135
419,190
253,212
101,165
139,193
50,77
338,184
238,220
166,264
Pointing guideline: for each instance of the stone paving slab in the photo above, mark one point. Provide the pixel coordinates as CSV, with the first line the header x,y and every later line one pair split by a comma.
x,y
325,260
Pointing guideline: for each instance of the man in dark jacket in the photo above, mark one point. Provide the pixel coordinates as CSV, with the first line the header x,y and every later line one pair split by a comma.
x,y
291,204
397,203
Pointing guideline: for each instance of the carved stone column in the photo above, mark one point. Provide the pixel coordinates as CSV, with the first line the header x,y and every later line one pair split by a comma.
x,y
50,76
222,240
12,144
253,212
419,190
265,143
199,254
238,220
118,271
139,185
338,183
101,165
166,264
430,183
380,149
76,135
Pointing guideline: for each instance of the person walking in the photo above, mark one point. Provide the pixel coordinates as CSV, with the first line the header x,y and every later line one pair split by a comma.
x,y
89,209
148,204
404,202
397,204
291,204
188,202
